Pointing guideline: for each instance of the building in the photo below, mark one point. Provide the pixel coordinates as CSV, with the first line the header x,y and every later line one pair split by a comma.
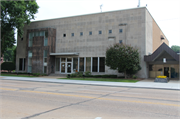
x,y
78,43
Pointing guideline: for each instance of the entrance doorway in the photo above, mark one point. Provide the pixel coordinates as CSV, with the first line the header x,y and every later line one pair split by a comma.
x,y
166,71
66,65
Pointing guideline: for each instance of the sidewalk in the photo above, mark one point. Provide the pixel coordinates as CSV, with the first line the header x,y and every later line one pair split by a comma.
x,y
147,83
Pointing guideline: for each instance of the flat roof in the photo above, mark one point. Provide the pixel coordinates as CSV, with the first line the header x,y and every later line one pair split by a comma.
x,y
62,54
89,14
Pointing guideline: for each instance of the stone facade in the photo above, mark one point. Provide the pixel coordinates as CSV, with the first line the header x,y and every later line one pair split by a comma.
x,y
137,30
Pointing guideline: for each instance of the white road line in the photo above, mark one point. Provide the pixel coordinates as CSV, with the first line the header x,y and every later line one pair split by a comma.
x,y
98,117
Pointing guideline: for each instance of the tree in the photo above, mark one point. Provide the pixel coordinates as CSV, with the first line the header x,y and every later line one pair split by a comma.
x,y
123,58
9,54
175,48
14,14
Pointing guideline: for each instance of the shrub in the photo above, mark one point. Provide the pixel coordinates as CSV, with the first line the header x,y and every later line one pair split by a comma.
x,y
36,74
73,75
8,66
134,77
88,73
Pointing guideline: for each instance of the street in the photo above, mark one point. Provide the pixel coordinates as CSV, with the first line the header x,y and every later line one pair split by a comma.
x,y
39,100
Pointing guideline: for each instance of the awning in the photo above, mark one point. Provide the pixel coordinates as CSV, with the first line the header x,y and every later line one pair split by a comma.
x,y
60,54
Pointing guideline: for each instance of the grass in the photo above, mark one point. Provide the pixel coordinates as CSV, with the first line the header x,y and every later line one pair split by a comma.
x,y
14,75
103,79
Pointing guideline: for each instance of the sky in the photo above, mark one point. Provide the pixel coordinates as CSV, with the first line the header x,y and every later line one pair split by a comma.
x,y
165,12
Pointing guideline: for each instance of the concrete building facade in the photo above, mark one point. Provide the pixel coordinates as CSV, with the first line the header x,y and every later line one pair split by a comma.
x,y
79,43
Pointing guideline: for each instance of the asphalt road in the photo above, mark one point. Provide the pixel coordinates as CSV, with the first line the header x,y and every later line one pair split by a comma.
x,y
38,100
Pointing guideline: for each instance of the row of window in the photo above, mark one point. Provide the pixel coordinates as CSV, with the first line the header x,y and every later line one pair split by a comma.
x,y
92,64
35,34
90,33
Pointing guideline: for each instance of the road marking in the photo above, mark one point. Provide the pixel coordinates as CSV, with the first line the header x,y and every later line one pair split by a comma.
x,y
8,89
98,117
119,100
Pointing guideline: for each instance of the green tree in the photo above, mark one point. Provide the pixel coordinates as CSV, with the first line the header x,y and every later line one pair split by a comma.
x,y
9,54
175,48
123,58
14,15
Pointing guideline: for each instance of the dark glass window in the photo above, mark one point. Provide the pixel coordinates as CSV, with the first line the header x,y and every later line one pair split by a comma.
x,y
90,32
102,64
21,38
72,34
120,41
100,32
81,64
95,64
110,31
45,69
81,33
120,30
64,35
21,64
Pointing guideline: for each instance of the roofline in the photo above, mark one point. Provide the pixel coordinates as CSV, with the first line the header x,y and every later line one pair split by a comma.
x,y
88,14
157,24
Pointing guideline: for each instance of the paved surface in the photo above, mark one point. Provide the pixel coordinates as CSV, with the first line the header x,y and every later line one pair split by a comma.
x,y
146,83
42,100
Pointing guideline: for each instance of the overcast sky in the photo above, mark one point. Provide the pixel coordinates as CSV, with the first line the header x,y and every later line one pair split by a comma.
x,y
165,12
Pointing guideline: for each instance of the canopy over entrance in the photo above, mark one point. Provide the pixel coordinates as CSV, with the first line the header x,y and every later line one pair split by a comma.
x,y
63,54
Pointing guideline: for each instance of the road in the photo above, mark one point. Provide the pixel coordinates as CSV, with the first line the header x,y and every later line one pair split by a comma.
x,y
38,100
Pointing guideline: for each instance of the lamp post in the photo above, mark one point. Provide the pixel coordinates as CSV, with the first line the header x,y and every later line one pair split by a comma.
x,y
124,24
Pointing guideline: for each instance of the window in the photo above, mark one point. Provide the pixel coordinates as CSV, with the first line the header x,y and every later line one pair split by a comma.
x,y
110,31
57,64
45,69
81,64
102,64
69,59
72,34
30,61
95,64
100,32
45,61
42,33
64,35
21,64
120,30
75,64
46,39
120,41
88,63
90,32
31,35
81,33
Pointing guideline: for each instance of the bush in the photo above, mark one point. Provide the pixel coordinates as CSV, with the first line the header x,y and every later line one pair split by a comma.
x,y
134,77
8,66
73,75
36,74
87,73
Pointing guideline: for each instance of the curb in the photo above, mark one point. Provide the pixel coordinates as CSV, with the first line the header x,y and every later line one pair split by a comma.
x,y
93,84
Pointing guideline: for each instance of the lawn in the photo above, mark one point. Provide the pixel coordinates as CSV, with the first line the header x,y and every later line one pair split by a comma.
x,y
14,75
103,79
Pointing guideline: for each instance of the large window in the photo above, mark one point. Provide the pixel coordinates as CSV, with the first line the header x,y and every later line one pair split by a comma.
x,y
31,35
81,64
75,64
45,61
57,64
21,64
102,64
46,39
95,64
30,61
88,63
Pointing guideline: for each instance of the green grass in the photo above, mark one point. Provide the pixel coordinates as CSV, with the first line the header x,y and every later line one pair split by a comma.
x,y
14,75
103,79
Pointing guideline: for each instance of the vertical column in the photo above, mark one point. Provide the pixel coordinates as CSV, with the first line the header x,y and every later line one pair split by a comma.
x,y
98,64
78,64
84,64
91,63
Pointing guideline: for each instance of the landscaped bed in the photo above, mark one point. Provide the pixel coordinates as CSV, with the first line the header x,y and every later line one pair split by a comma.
x,y
104,79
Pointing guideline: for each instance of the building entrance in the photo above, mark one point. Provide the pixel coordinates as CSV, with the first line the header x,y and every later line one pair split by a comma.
x,y
66,65
166,71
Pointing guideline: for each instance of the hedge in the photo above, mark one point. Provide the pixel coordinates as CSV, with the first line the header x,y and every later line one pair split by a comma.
x,y
8,66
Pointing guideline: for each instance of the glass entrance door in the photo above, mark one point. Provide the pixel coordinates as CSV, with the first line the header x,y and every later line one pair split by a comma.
x,y
66,65
166,71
